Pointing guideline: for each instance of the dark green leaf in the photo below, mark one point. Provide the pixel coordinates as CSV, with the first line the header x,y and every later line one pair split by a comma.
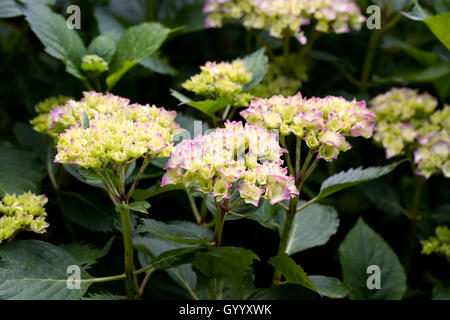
x,y
59,41
135,45
352,177
361,248
224,262
86,254
291,271
329,287
312,227
152,247
31,269
178,233
103,46
90,213
258,64
19,170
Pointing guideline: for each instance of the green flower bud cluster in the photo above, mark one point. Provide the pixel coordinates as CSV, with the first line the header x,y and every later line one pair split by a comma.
x,y
408,122
23,212
222,80
43,121
94,63
439,244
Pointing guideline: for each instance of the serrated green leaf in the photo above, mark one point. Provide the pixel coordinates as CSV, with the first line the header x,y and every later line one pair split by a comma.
x,y
19,170
224,262
59,41
177,233
87,254
267,215
176,257
258,64
139,206
312,227
292,272
135,44
361,248
37,270
330,287
417,13
103,46
352,177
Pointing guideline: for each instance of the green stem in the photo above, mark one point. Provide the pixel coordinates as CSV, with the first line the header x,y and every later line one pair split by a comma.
x,y
375,38
220,221
213,288
131,283
286,155
285,234
416,199
198,217
144,165
298,153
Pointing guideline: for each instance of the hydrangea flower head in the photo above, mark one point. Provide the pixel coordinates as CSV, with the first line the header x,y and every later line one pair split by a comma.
x,y
117,132
221,80
409,122
322,122
439,244
43,121
279,16
245,156
23,212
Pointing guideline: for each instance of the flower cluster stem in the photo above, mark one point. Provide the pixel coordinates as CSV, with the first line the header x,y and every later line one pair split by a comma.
x,y
131,283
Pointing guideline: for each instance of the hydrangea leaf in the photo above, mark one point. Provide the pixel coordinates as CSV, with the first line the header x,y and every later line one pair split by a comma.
x,y
102,46
352,177
224,262
59,41
31,269
258,64
19,170
150,247
312,226
191,234
135,44
361,248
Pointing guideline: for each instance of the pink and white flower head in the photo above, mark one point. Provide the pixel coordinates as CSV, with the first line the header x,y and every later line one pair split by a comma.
x,y
245,156
322,122
286,16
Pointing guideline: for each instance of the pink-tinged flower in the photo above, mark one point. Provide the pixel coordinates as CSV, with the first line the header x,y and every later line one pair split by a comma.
x,y
318,121
250,193
246,157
